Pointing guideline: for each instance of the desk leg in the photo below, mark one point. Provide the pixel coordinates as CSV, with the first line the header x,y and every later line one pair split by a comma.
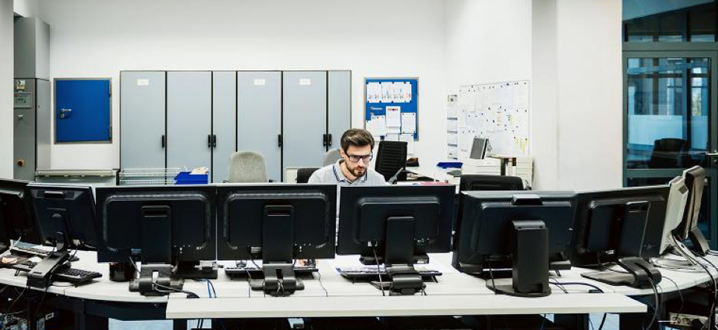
x,y
572,321
179,325
85,321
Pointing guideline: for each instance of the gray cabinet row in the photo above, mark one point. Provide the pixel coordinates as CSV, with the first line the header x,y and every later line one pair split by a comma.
x,y
199,118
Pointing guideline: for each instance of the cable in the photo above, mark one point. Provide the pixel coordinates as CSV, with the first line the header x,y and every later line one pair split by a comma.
x,y
491,273
579,283
174,290
322,284
680,294
16,300
378,271
558,285
542,321
603,321
657,304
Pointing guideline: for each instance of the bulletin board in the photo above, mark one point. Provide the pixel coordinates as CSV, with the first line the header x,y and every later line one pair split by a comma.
x,y
497,111
391,109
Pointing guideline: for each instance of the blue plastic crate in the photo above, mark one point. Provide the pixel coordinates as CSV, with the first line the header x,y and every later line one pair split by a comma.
x,y
449,164
187,178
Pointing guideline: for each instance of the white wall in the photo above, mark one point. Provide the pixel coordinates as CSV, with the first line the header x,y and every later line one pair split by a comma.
x,y
577,93
372,38
26,8
6,84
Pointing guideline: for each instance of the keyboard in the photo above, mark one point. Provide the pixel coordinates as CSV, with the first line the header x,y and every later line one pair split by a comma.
x,y
370,273
62,274
257,272
35,251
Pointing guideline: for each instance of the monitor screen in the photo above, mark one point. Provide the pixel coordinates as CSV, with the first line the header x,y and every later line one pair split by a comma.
x,y
65,209
258,221
15,213
163,224
479,148
625,221
486,220
366,215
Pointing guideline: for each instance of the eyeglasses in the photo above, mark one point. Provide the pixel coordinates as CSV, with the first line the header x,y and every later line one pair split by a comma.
x,y
356,158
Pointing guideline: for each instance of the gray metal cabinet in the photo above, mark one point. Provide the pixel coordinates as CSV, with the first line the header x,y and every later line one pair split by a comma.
x,y
224,117
259,118
339,114
31,127
142,119
189,119
304,121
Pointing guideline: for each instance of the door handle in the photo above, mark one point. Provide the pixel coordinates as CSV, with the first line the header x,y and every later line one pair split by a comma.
x,y
324,140
329,140
163,141
209,141
214,141
279,140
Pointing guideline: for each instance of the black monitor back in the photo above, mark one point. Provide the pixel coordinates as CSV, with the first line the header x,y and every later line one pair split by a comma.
x,y
484,225
391,157
490,182
240,217
596,228
15,214
67,209
363,212
191,230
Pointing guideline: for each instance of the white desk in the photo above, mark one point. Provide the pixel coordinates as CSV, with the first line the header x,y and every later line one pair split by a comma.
x,y
296,306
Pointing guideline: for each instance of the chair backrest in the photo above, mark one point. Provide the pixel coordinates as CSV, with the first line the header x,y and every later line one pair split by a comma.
x,y
490,182
247,167
390,158
303,174
331,157
669,153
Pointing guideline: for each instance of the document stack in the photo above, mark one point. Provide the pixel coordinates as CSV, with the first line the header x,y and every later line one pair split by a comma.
x,y
486,166
523,168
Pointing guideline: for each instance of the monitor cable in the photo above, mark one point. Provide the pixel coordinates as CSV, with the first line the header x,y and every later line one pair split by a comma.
x,y
378,270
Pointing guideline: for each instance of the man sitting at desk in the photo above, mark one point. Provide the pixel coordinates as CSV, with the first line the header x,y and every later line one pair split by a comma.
x,y
353,168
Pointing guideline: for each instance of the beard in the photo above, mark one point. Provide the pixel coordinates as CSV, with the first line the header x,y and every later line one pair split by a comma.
x,y
356,171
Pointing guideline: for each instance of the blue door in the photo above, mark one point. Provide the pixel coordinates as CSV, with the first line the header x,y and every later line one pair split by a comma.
x,y
82,110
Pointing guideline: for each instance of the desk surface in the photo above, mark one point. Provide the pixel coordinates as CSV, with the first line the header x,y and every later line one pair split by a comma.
x,y
358,306
454,294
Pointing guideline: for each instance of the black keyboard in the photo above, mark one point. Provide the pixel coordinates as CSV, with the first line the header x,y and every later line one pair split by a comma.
x,y
63,273
255,272
35,252
371,273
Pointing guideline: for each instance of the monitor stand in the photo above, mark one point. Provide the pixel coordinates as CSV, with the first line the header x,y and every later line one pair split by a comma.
x,y
399,258
41,275
530,265
156,280
278,252
699,243
638,274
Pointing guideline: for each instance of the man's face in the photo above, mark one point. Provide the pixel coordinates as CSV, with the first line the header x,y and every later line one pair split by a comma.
x,y
357,159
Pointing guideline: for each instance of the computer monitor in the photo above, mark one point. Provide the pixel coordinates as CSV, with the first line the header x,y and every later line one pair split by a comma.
x,y
695,178
677,197
276,224
162,226
528,233
490,182
15,215
624,226
479,148
396,226
65,217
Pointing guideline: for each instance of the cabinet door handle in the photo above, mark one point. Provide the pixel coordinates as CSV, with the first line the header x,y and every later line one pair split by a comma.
x,y
164,143
209,141
329,140
214,141
279,140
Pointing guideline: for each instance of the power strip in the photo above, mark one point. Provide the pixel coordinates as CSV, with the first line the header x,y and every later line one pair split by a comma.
x,y
685,320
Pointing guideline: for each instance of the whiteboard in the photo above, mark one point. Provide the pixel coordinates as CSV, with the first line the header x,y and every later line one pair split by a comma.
x,y
497,111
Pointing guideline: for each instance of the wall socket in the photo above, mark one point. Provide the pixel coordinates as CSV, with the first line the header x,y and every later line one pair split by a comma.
x,y
685,320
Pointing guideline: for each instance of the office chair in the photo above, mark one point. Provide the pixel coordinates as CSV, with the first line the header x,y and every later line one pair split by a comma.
x,y
391,158
247,167
332,156
303,174
669,153
490,182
